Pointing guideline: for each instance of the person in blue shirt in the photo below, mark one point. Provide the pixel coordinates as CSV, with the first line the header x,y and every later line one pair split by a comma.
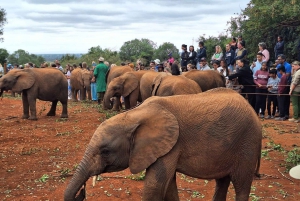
x,y
201,52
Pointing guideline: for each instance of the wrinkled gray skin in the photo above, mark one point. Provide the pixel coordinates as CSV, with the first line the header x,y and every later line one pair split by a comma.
x,y
47,84
165,135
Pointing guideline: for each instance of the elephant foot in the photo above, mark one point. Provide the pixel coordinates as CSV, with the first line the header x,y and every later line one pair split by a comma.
x,y
115,109
50,114
32,118
25,116
64,116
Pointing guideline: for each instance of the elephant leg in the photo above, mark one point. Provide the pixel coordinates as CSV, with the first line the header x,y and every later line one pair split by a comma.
x,y
221,189
25,106
117,103
242,180
53,108
127,102
133,98
172,192
159,178
32,107
89,95
64,113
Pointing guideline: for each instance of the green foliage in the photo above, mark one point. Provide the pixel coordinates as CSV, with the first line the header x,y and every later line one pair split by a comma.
x,y
3,55
162,51
2,22
210,43
293,158
44,178
22,57
264,21
137,49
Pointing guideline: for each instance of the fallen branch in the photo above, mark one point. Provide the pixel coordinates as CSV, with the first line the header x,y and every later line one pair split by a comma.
x,y
285,176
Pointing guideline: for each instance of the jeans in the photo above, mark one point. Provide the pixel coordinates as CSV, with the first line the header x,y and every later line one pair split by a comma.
x,y
282,104
296,104
230,67
260,100
94,91
272,98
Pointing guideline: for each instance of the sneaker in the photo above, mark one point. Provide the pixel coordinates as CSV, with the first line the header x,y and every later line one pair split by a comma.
x,y
272,117
262,116
280,119
294,120
268,117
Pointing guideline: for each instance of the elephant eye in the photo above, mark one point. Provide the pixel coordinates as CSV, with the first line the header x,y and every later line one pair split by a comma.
x,y
105,152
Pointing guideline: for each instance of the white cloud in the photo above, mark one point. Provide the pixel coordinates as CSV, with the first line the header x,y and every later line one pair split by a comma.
x,y
69,26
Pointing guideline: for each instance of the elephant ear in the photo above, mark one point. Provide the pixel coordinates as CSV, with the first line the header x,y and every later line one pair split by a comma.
x,y
130,83
156,83
156,134
25,80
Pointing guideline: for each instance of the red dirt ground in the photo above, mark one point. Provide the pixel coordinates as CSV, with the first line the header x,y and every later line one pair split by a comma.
x,y
38,158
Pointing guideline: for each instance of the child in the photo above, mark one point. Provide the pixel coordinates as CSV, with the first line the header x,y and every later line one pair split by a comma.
x,y
282,94
272,86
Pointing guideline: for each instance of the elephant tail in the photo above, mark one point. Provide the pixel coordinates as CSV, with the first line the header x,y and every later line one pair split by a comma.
x,y
258,163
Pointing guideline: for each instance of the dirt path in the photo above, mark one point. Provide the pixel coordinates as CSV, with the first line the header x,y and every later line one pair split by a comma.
x,y
38,158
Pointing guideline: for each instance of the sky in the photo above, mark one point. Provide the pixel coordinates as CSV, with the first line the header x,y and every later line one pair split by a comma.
x,y
74,26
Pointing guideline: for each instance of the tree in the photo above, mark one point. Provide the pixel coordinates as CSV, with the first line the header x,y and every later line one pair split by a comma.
x,y
136,49
22,57
163,50
2,22
3,55
264,21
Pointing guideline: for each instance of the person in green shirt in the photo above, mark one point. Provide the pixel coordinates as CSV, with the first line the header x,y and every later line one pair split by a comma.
x,y
100,74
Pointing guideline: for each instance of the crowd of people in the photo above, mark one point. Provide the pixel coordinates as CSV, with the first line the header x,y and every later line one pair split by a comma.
x,y
266,85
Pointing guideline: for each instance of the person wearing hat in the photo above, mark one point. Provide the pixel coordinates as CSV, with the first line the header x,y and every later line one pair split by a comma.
x,y
295,91
184,57
157,62
203,64
100,74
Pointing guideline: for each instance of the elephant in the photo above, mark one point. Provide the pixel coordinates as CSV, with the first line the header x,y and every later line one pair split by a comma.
x,y
80,80
126,85
47,84
112,73
165,135
174,85
207,79
146,83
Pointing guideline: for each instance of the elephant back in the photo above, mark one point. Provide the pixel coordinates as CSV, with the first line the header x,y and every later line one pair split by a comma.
x,y
116,71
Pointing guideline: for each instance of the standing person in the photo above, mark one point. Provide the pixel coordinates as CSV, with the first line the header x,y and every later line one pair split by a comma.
x,y
100,74
170,59
261,80
68,76
175,69
203,64
216,66
279,47
272,86
240,39
257,64
218,55
201,52
245,78
224,70
184,57
93,86
282,95
229,57
295,92
241,52
192,55
266,54
1,70
233,44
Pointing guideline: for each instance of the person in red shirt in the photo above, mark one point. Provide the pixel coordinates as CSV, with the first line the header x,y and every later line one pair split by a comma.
x,y
261,80
282,94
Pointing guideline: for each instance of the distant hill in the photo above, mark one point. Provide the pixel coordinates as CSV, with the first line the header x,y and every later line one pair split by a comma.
x,y
53,57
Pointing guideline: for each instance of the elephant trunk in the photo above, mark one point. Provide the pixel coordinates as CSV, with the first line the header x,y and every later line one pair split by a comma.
x,y
78,180
106,101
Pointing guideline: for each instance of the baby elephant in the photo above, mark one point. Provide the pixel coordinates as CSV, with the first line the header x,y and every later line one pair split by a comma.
x,y
47,84
192,134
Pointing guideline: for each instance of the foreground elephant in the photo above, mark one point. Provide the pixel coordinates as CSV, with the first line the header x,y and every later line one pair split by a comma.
x,y
207,79
174,85
80,80
165,135
112,73
47,84
126,85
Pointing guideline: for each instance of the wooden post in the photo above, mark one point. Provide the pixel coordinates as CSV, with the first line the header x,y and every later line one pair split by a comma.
x,y
4,68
